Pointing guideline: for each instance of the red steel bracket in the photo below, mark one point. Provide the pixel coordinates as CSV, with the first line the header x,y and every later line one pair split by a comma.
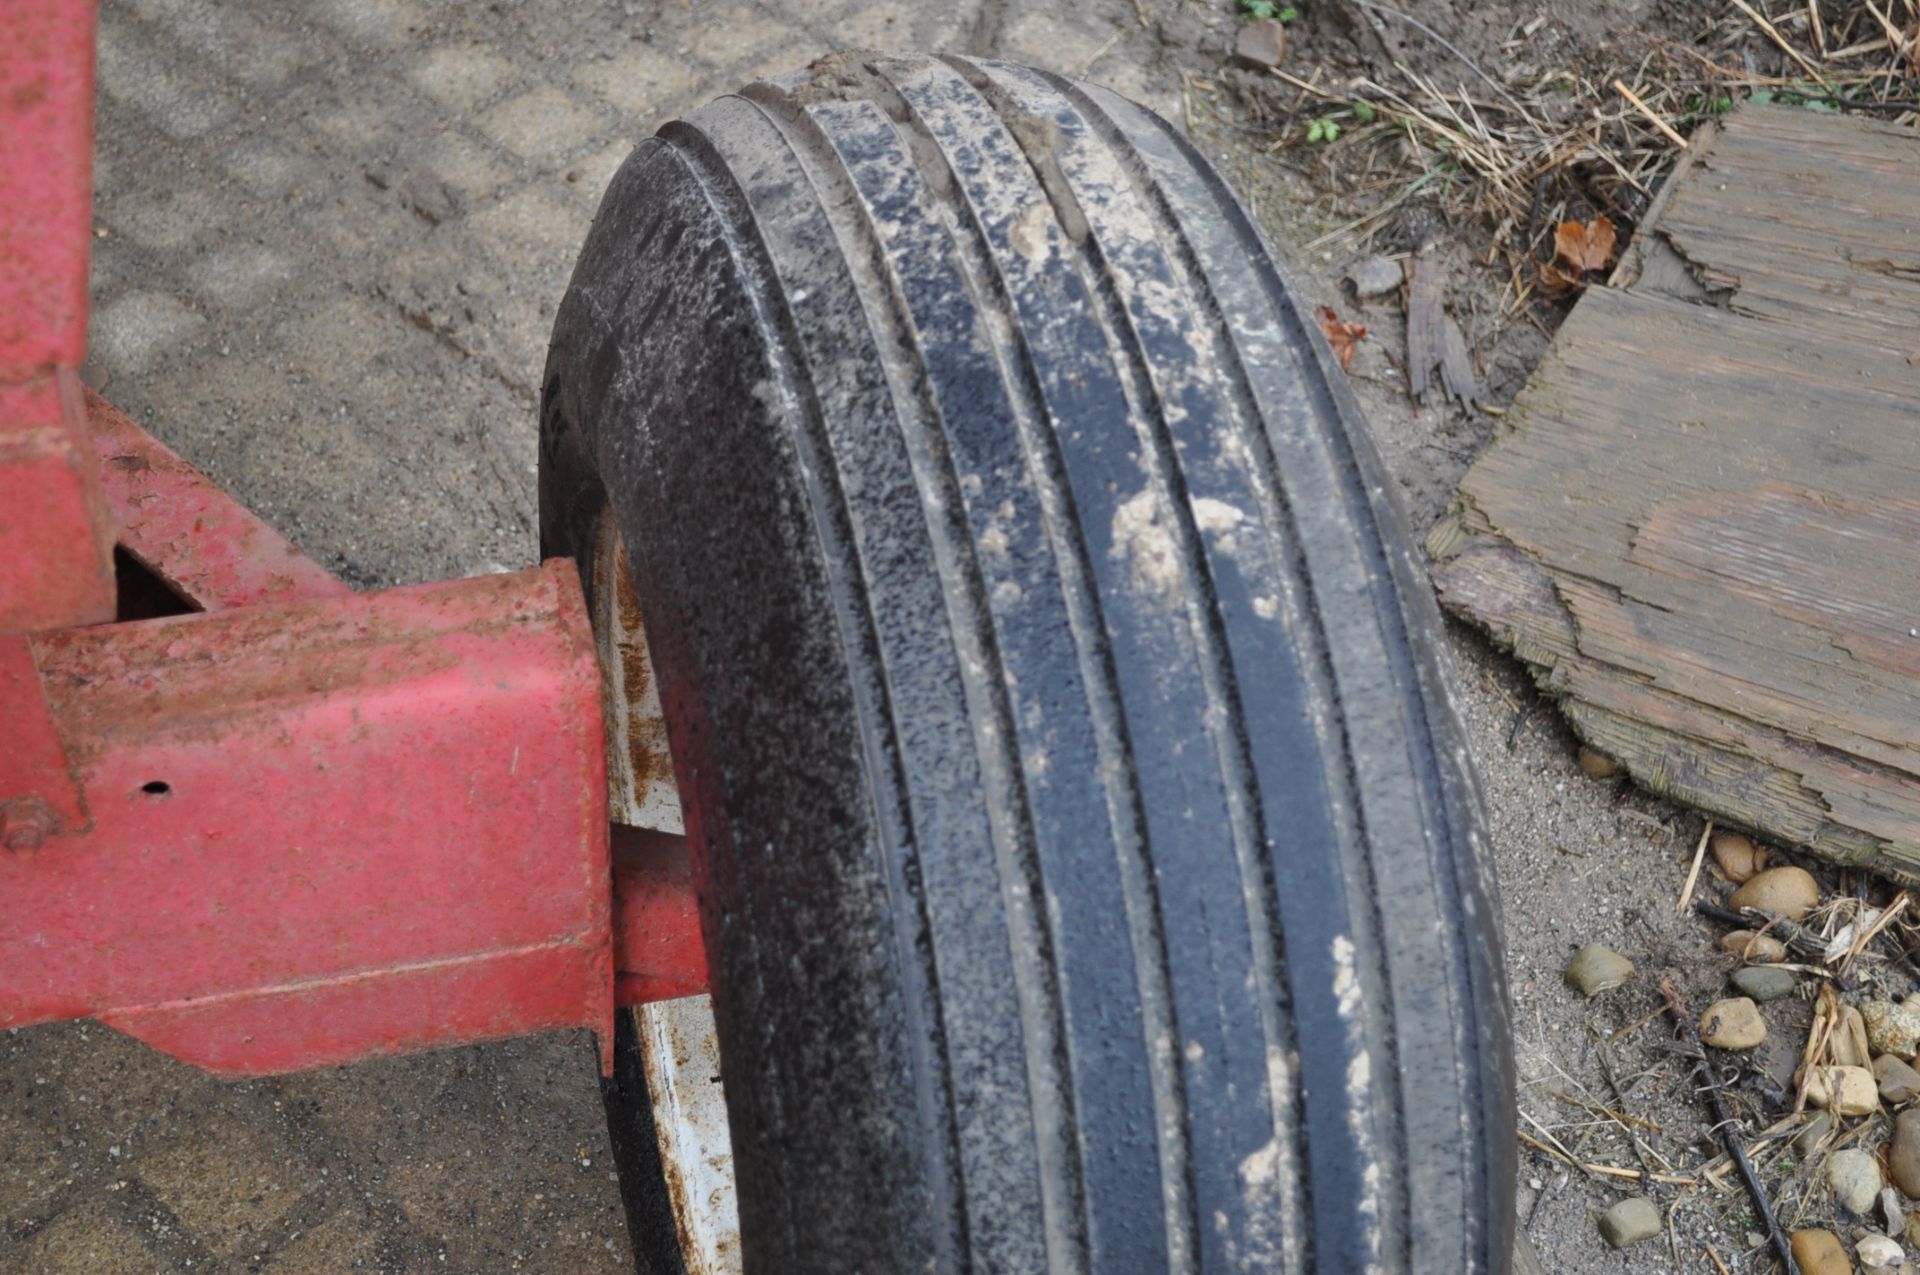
x,y
202,543
322,830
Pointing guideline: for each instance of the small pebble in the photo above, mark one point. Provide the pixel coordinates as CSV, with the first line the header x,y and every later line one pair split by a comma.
x,y
1855,1178
1263,43
1913,1229
1820,1253
1764,982
1596,968
1737,856
1807,1141
1845,1091
1891,1029
1734,1023
1375,276
1630,1221
1894,1209
1754,946
1898,1081
1789,891
1877,1252
1903,1155
1598,765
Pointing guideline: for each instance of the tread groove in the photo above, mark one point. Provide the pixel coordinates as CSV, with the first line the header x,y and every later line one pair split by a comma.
x,y
1032,943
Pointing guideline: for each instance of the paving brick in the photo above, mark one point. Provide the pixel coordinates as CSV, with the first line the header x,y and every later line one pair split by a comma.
x,y
382,23
462,75
39,1140
641,80
541,123
1054,43
888,27
468,166
89,1238
177,101
264,166
535,217
744,37
240,274
129,334
364,123
170,220
227,1180
342,1242
238,43
341,338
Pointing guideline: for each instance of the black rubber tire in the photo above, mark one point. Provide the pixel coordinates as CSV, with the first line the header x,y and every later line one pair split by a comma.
x,y
1090,866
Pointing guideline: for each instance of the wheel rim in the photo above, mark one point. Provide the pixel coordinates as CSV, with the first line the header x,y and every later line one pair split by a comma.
x,y
679,1047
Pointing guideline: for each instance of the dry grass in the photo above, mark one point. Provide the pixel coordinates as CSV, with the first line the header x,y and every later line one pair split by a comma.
x,y
1514,148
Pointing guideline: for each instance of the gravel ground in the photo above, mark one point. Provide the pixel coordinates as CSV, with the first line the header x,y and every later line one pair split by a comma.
x,y
329,247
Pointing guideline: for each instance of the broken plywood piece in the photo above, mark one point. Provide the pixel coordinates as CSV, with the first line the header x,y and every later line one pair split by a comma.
x,y
1700,525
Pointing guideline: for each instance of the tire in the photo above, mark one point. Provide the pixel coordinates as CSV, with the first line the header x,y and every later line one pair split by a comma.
x,y
1089,864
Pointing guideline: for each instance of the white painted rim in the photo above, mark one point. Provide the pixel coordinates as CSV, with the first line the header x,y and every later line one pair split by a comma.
x,y
678,1042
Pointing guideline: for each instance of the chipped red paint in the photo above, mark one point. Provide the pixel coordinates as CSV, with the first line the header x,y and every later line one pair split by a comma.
x,y
657,950
205,545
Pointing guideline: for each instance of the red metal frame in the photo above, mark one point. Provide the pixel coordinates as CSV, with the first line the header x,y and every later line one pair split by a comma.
x,y
56,540
299,825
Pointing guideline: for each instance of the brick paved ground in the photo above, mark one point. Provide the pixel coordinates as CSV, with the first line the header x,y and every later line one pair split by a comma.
x,y
330,240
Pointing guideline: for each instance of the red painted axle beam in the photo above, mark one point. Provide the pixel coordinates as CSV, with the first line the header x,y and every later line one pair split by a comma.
x,y
315,831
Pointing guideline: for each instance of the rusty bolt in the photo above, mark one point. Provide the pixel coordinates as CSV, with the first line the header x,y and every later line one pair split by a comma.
x,y
25,824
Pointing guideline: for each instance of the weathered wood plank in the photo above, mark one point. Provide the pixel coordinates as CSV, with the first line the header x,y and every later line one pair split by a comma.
x,y
1701,526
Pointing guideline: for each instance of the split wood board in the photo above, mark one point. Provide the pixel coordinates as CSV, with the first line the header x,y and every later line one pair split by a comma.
x,y
1700,524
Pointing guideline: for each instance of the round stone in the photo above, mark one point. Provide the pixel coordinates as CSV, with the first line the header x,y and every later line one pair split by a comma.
x,y
1791,892
1597,764
1891,1029
1737,856
1820,1253
1734,1023
1903,1156
1630,1221
1596,968
1898,1081
1751,945
1854,1176
1764,983
1845,1091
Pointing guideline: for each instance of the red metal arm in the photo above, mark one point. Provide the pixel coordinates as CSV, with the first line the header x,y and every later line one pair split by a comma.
x,y
56,539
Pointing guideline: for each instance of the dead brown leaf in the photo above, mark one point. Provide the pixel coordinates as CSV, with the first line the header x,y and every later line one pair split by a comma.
x,y
1579,247
1341,336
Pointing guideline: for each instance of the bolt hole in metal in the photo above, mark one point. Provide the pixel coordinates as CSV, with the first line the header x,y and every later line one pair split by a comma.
x,y
157,788
678,1044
